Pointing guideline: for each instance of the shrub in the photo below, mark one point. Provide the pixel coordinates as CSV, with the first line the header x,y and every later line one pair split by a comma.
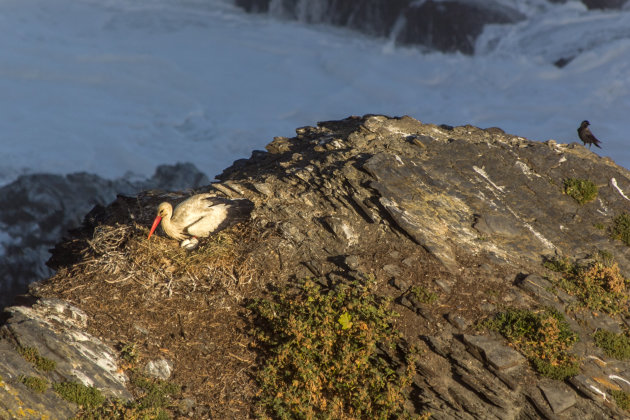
x,y
597,285
323,357
614,345
544,337
581,190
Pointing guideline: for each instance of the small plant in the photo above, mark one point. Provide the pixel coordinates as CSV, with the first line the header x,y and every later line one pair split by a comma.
x,y
34,383
129,354
423,295
581,190
84,396
597,285
157,393
558,264
599,226
151,405
31,355
621,398
544,337
323,357
614,345
621,228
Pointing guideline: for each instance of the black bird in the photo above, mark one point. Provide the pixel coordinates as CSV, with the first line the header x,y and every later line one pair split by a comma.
x,y
586,136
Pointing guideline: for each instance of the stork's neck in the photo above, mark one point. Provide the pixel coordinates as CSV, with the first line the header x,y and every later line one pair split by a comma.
x,y
172,229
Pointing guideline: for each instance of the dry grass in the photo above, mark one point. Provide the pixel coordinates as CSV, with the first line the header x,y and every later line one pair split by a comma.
x,y
121,253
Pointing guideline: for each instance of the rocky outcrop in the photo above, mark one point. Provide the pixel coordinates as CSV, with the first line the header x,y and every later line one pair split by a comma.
x,y
39,209
604,4
57,330
466,214
447,26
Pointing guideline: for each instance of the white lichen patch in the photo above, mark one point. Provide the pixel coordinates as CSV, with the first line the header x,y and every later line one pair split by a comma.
x,y
485,176
619,378
540,237
82,377
526,169
613,182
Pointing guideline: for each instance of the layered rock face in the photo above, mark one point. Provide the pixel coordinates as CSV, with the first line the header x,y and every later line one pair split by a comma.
x,y
468,214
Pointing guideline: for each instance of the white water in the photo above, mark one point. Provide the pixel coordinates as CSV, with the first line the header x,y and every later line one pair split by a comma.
x,y
111,86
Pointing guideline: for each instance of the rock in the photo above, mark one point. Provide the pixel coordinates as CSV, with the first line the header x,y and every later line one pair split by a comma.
x,y
589,388
558,395
458,321
540,288
400,284
451,25
57,331
442,25
604,4
160,369
392,269
494,352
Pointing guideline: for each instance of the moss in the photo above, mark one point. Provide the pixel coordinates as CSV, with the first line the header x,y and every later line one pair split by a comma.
x,y
581,190
423,295
34,383
621,228
544,337
31,354
157,393
614,345
85,396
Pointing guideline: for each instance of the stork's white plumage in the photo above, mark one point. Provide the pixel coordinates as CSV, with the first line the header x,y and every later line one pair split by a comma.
x,y
199,216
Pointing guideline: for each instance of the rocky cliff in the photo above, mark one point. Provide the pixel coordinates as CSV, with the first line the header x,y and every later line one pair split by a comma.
x,y
504,258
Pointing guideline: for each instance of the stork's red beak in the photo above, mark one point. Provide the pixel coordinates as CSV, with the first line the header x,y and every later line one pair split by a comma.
x,y
156,222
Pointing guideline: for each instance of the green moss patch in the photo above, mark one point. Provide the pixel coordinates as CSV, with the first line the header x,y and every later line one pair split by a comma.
x,y
544,337
581,190
31,355
322,356
34,383
423,295
614,345
84,396
157,393
155,397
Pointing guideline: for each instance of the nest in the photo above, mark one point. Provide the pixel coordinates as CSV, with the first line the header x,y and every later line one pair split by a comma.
x,y
122,253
